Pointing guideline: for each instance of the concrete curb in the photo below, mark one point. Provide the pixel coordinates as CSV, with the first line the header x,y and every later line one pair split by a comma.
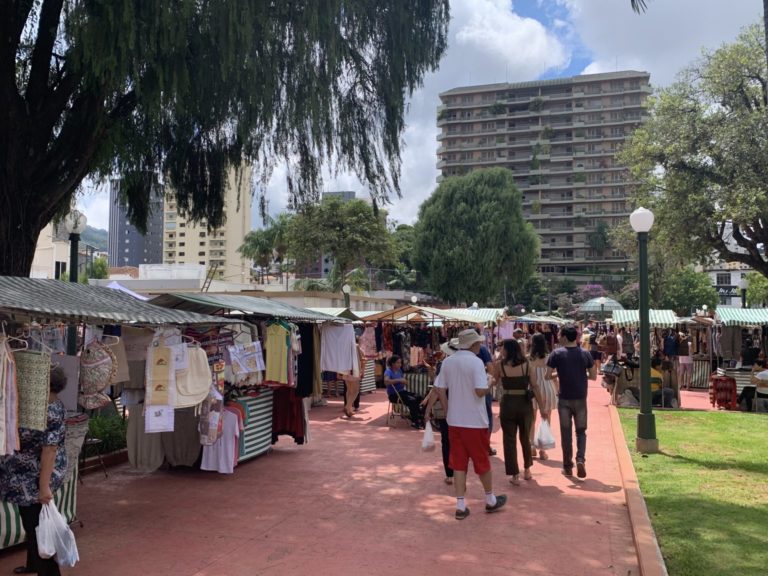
x,y
648,552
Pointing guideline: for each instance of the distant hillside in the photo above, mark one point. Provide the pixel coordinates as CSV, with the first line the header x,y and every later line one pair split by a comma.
x,y
96,237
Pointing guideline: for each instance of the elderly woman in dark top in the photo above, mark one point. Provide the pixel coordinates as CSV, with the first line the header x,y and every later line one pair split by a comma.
x,y
32,475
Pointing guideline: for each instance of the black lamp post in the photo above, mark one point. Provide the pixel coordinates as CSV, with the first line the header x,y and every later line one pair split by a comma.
x,y
646,442
346,289
743,285
74,223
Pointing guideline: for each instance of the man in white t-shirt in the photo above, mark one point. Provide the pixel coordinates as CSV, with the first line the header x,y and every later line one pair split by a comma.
x,y
463,376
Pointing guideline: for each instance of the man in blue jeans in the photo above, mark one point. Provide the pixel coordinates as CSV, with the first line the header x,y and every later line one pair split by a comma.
x,y
574,366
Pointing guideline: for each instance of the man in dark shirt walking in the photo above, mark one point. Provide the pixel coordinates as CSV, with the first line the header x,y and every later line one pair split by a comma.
x,y
573,366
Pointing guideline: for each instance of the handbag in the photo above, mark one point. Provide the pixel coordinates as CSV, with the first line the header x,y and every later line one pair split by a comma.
x,y
612,368
529,395
194,383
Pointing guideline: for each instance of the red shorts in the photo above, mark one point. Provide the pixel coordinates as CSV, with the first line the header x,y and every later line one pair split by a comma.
x,y
469,444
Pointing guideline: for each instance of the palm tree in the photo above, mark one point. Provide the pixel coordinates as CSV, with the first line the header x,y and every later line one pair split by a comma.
x,y
639,5
401,278
257,246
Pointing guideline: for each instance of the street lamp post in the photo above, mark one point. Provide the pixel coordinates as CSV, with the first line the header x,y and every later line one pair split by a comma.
x,y
346,289
602,301
646,442
743,285
74,223
549,296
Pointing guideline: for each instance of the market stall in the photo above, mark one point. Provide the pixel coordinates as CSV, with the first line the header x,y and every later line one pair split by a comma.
x,y
318,334
736,327
35,314
660,321
414,333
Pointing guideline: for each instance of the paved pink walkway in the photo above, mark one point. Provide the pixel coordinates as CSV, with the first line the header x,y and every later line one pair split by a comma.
x,y
359,499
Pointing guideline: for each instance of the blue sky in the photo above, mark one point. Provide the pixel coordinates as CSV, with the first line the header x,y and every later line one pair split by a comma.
x,y
498,40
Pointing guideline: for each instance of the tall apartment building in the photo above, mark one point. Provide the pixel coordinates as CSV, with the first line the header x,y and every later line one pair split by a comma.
x,y
128,246
188,242
559,138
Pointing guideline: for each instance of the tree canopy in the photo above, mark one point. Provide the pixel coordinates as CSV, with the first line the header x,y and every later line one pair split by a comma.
x,y
687,290
187,89
352,232
700,158
471,238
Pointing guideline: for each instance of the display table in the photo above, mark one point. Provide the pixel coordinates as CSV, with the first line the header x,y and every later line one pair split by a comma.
x,y
702,368
256,438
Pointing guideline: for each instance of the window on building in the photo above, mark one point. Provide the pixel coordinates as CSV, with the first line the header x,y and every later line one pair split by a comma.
x,y
181,244
182,254
723,279
202,234
201,253
182,234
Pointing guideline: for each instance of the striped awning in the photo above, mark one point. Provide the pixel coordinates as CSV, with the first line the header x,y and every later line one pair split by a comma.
x,y
338,312
425,313
657,318
730,316
240,304
484,315
42,300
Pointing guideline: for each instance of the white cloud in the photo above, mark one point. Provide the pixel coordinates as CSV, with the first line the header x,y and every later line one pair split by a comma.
x,y
94,203
663,40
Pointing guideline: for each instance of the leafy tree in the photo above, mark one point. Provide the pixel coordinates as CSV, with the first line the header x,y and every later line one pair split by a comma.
x,y
700,157
403,236
402,279
686,290
563,286
99,268
188,89
258,245
589,291
629,296
533,294
471,238
757,289
599,239
349,231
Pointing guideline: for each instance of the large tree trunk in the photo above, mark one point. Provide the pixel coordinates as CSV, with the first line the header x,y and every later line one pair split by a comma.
x,y
20,227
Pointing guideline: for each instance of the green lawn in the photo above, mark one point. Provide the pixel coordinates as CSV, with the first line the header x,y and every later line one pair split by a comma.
x,y
707,492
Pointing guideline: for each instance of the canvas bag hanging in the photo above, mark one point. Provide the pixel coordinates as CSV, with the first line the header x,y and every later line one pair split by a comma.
x,y
194,383
121,360
33,376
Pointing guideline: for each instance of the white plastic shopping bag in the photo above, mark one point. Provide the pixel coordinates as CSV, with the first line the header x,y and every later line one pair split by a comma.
x,y
428,441
54,537
544,440
46,533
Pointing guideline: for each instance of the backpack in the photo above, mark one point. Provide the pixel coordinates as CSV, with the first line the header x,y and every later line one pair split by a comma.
x,y
611,344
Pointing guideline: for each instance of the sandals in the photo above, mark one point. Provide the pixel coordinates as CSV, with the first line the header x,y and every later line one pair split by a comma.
x,y
543,455
527,474
448,480
515,479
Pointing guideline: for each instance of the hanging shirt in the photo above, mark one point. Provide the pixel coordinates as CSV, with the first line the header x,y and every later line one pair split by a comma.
x,y
277,342
338,352
221,456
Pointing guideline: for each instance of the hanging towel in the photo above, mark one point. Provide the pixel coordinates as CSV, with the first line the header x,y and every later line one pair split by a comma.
x,y
194,383
33,377
161,376
121,361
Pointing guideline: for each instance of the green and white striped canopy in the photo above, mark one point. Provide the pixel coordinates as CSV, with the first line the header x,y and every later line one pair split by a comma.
x,y
657,318
731,316
482,315
35,299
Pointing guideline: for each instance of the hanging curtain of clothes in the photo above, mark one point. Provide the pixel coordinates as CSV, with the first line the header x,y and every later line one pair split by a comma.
x,y
9,401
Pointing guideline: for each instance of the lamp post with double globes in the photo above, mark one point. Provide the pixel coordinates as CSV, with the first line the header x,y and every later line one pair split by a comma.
x,y
346,289
646,442
74,223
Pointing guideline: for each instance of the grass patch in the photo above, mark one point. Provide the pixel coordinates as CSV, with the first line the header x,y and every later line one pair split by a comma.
x,y
707,492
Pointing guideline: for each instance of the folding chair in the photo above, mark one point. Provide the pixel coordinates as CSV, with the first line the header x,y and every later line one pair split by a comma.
x,y
398,408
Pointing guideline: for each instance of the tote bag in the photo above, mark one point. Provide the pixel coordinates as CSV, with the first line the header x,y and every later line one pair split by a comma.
x,y
194,383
